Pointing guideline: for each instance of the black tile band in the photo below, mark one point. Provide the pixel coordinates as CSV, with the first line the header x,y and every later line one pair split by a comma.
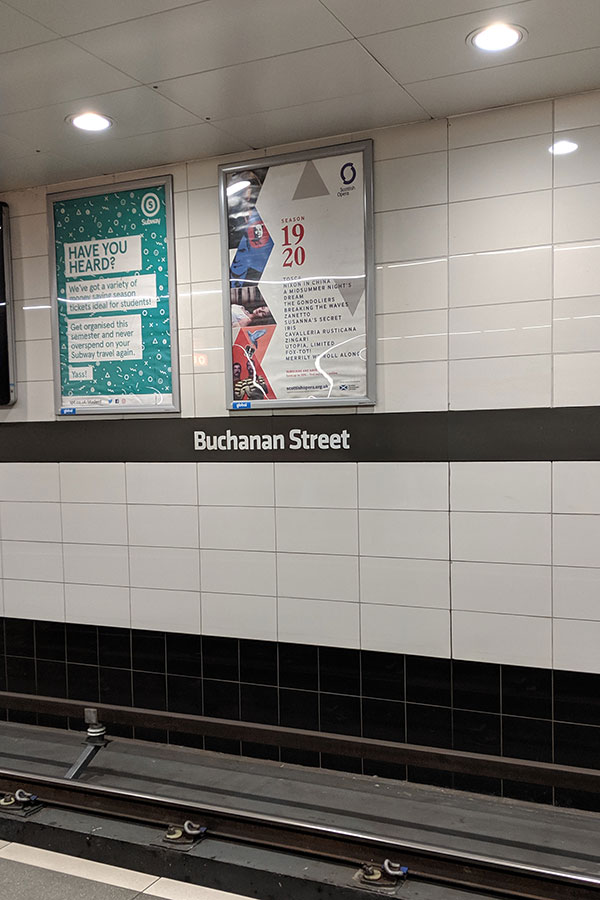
x,y
516,711
562,433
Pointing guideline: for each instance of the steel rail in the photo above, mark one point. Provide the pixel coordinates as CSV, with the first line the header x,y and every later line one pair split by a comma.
x,y
425,862
461,762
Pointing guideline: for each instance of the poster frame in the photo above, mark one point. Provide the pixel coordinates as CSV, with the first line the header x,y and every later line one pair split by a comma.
x,y
366,148
9,309
165,181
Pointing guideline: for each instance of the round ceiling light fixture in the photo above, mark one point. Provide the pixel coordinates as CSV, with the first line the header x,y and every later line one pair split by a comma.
x,y
560,148
495,37
90,121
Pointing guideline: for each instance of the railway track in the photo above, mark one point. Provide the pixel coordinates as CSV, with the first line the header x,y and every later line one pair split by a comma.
x,y
425,863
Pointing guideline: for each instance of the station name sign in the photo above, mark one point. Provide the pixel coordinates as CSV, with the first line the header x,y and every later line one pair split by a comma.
x,y
295,439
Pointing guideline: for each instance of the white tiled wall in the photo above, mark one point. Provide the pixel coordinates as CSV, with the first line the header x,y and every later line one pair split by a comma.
x,y
486,561
488,266
487,296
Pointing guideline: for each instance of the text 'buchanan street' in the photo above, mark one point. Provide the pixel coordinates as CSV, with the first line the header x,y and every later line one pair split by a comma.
x,y
296,439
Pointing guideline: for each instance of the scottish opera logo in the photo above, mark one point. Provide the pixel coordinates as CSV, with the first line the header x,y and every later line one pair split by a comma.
x,y
348,177
348,173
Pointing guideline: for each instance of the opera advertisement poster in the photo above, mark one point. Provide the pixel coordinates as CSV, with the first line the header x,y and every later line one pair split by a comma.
x,y
297,254
115,329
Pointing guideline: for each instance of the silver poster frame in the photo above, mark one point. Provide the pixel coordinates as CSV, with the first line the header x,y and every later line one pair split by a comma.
x,y
165,181
10,307
366,148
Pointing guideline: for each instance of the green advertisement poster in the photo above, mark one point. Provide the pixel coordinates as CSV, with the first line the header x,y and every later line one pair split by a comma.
x,y
115,322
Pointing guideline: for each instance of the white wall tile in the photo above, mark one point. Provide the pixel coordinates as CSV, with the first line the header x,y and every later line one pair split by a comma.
x,y
519,220
411,234
324,622
412,336
40,600
32,320
408,387
163,526
576,487
410,181
500,383
403,629
240,616
207,350
576,593
511,640
207,304
500,486
204,211
332,531
236,484
92,482
405,582
316,484
168,483
182,260
406,140
501,276
576,213
576,645
577,111
576,540
403,485
577,269
500,124
164,567
34,360
30,521
32,560
94,523
576,324
96,564
413,535
317,577
582,166
506,329
29,481
577,379
164,610
501,537
238,572
28,236
505,167
93,604
210,394
237,528
421,284
31,278
205,258
522,590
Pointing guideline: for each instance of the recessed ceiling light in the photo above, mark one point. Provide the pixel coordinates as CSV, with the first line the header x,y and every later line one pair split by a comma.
x,y
498,36
559,148
90,121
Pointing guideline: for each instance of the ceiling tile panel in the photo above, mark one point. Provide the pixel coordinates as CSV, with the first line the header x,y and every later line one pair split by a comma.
x,y
212,34
159,148
72,16
381,15
326,117
518,83
38,168
340,70
440,48
53,72
18,31
135,111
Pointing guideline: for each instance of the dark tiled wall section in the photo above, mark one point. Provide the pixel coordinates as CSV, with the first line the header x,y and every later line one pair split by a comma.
x,y
521,712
